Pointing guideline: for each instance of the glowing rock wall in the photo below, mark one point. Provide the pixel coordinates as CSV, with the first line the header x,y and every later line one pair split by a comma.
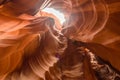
x,y
31,45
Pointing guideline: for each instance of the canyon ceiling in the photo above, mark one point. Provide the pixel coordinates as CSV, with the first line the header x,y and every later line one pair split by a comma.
x,y
34,45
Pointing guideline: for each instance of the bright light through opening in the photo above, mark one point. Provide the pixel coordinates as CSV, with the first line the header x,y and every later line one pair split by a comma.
x,y
58,14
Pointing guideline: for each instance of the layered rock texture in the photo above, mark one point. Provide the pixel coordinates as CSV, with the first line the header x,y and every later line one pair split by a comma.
x,y
35,46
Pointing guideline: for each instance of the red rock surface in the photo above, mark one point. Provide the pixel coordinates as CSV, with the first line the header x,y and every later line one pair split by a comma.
x,y
32,48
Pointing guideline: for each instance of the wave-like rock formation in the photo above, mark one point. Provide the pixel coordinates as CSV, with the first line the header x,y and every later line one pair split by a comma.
x,y
35,46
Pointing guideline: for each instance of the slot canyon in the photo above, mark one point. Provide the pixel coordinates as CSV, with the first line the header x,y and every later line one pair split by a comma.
x,y
59,39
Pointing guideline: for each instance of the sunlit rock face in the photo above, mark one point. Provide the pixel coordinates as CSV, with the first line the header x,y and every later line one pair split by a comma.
x,y
35,44
58,14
